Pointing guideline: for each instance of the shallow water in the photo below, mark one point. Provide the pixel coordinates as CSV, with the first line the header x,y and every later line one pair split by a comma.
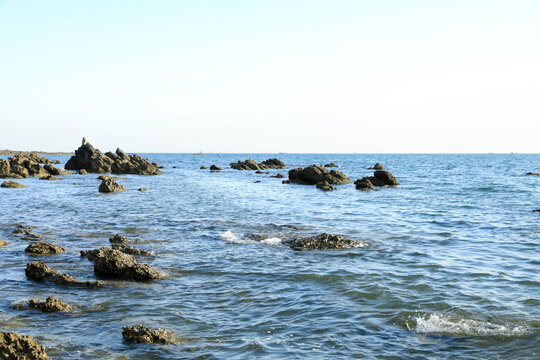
x,y
451,270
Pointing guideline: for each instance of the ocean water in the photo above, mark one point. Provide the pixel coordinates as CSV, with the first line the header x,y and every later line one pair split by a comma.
x,y
452,270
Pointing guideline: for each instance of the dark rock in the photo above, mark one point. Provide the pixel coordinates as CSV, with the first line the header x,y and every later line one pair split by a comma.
x,y
203,168
380,178
56,162
82,172
141,334
107,177
537,210
386,177
257,181
3,243
325,186
377,166
286,182
22,166
131,250
331,165
533,174
110,186
17,347
272,164
278,176
143,189
119,239
94,161
215,168
50,305
55,171
253,165
12,185
43,248
161,167
49,177
175,167
261,172
38,271
324,242
315,174
364,184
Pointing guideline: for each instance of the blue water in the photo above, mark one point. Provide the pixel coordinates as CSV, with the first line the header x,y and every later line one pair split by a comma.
x,y
451,271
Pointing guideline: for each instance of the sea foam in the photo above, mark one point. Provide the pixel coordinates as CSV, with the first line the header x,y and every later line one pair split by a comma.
x,y
229,236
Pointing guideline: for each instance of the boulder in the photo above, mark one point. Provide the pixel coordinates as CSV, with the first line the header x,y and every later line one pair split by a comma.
x,y
50,305
377,166
331,165
379,178
278,176
364,184
12,185
141,334
94,161
315,174
533,174
55,171
324,242
386,177
215,168
110,186
261,172
325,186
16,347
272,164
119,239
107,177
111,263
49,177
43,248
38,271
203,168
253,165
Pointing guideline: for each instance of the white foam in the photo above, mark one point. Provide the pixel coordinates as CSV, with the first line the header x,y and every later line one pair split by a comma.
x,y
229,236
442,324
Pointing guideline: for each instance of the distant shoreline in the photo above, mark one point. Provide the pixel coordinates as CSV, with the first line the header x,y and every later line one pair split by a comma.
x,y
15,152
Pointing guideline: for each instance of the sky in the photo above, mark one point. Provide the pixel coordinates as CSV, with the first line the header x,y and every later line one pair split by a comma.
x,y
335,76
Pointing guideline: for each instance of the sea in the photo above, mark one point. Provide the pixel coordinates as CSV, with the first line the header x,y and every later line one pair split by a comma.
x,y
451,270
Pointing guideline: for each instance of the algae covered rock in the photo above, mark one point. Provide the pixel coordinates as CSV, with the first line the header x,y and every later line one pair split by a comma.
x,y
38,271
17,347
324,242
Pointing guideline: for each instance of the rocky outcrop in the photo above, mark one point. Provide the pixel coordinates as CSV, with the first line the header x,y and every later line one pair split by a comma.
x,y
17,347
215,168
315,174
43,248
111,186
23,166
141,334
377,166
324,242
253,165
111,263
12,185
330,165
325,186
379,178
38,271
50,305
94,161
119,239
203,167
278,176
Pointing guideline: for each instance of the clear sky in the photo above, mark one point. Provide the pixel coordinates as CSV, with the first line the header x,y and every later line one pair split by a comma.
x,y
269,76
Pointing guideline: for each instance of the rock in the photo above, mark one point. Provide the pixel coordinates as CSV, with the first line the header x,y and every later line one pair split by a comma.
x,y
286,182
107,177
22,166
131,250
278,176
324,242
82,172
43,248
110,186
253,165
215,168
377,166
386,177
380,178
49,177
203,168
143,189
537,210
533,174
12,185
330,165
257,181
261,172
3,243
364,184
315,174
55,171
141,334
325,186
17,347
38,271
175,167
111,263
50,305
94,161
56,162
119,239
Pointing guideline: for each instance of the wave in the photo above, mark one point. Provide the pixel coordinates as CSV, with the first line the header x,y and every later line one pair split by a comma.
x,y
229,236
442,324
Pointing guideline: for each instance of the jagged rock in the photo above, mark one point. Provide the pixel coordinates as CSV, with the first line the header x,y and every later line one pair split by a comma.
x,y
279,176
22,166
253,165
131,250
12,185
110,186
533,174
143,189
315,174
55,171
49,177
119,239
377,166
379,178
3,243
38,271
257,181
386,177
50,305
82,172
16,347
331,165
364,184
141,334
43,248
94,161
324,242
325,186
111,263
203,168
215,168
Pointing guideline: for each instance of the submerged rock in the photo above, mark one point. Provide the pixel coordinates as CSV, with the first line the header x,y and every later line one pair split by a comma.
x,y
110,186
533,174
3,243
12,185
331,165
49,177
141,334
324,242
143,189
26,165
131,250
52,304
38,271
325,186
203,168
315,174
94,161
55,171
215,168
119,239
106,177
16,347
278,176
537,210
253,165
43,248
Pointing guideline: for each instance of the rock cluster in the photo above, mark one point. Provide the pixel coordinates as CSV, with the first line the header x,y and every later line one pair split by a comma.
x,y
253,165
108,185
23,166
43,248
141,334
324,242
52,304
318,175
115,264
27,232
16,347
379,178
39,272
12,185
94,161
